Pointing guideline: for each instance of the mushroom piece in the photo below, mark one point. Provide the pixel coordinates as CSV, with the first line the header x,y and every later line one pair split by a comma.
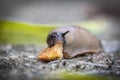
x,y
52,53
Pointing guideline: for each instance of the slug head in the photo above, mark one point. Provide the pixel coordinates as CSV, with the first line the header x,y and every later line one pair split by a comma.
x,y
55,37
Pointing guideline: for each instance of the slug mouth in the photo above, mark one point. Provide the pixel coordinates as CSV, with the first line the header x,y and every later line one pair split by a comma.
x,y
55,41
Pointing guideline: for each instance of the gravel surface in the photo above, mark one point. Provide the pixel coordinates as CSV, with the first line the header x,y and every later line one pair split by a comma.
x,y
20,62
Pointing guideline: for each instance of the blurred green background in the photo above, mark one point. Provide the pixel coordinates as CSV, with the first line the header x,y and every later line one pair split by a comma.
x,y
13,32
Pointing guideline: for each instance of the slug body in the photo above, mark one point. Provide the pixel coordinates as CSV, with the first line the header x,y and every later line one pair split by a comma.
x,y
76,41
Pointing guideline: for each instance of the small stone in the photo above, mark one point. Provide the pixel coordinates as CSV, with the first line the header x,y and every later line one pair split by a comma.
x,y
3,53
64,63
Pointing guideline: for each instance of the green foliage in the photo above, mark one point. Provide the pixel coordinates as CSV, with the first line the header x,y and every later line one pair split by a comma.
x,y
78,76
13,32
22,33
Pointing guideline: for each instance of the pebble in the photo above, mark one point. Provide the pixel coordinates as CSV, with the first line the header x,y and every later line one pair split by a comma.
x,y
3,53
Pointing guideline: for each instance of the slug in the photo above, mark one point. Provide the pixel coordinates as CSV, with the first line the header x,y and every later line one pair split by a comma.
x,y
75,41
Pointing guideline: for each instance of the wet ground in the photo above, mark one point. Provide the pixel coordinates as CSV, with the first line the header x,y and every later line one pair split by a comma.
x,y
20,62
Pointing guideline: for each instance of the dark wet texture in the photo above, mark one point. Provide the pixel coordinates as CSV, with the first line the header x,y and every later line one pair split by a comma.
x,y
20,63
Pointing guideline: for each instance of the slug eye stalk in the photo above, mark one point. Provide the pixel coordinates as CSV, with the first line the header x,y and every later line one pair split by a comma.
x,y
63,34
